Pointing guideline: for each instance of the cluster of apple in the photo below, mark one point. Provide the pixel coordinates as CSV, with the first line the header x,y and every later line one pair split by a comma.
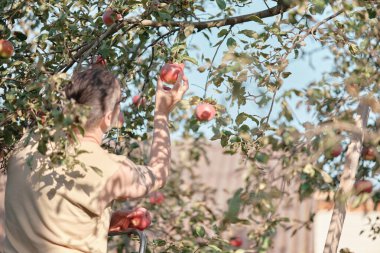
x,y
368,153
169,74
6,49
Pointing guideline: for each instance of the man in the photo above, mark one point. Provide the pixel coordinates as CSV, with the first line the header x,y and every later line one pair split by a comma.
x,y
68,210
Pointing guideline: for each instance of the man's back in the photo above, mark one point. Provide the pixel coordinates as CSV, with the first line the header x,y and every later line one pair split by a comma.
x,y
57,210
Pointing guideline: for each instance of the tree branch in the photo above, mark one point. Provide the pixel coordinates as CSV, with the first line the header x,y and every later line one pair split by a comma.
x,y
213,23
133,22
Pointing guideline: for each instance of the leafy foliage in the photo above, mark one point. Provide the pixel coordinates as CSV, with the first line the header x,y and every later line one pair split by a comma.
x,y
54,38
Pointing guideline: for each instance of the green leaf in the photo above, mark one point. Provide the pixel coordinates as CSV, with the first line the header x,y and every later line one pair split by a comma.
x,y
234,204
286,74
248,33
241,118
222,33
20,36
214,247
159,242
42,148
231,43
188,30
221,4
261,157
371,13
257,19
190,59
97,170
200,231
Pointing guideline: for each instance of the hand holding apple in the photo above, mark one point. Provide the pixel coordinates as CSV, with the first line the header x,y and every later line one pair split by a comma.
x,y
166,100
138,218
6,49
170,71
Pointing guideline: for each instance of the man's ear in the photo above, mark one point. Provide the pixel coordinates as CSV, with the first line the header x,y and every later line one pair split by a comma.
x,y
107,122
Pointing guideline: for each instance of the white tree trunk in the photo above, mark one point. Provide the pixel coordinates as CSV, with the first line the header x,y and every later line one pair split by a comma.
x,y
347,181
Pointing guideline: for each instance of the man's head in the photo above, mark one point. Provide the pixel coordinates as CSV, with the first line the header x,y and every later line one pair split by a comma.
x,y
98,89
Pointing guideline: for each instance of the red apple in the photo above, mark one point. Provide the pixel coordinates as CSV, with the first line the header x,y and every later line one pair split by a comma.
x,y
236,241
140,218
138,101
156,198
369,153
170,71
119,221
336,150
205,112
6,49
120,120
100,60
362,186
110,17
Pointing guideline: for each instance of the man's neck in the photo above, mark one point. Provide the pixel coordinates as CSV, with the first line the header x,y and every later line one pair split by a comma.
x,y
95,135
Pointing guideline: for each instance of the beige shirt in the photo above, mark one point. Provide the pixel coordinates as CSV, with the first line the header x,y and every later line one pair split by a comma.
x,y
59,210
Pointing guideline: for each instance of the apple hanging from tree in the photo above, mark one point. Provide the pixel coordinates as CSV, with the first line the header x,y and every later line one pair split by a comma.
x,y
156,198
120,120
363,186
137,100
100,61
170,71
205,112
336,150
110,16
6,49
140,218
236,241
369,153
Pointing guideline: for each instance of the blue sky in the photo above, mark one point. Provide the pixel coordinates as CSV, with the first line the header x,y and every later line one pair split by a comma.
x,y
303,72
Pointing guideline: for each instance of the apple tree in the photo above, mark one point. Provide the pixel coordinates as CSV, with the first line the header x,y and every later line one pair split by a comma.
x,y
248,69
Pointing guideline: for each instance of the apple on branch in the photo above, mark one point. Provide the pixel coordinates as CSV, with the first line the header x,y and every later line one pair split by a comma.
x,y
138,101
110,17
6,49
336,150
369,153
120,120
100,61
236,241
156,198
205,111
363,186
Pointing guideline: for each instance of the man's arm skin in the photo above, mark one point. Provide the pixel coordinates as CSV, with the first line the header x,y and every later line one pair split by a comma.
x,y
133,181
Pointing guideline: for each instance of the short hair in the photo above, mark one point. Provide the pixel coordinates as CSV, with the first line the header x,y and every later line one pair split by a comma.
x,y
96,88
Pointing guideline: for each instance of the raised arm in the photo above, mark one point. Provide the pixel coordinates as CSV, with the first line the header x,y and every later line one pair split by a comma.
x,y
133,181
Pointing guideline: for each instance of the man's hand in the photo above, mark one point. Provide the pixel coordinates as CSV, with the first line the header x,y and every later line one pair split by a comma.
x,y
139,218
167,99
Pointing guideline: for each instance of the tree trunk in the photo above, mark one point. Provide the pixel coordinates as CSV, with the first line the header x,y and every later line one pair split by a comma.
x,y
347,181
